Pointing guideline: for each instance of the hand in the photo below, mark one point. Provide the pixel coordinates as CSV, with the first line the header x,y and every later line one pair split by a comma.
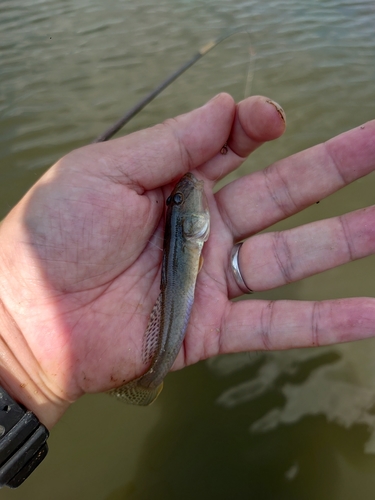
x,y
81,253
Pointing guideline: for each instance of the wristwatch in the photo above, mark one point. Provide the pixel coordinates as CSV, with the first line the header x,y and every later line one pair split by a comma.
x,y
23,443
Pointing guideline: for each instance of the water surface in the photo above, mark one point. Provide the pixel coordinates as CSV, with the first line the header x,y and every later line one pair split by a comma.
x,y
286,425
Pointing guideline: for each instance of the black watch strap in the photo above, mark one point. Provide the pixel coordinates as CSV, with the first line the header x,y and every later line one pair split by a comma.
x,y
23,443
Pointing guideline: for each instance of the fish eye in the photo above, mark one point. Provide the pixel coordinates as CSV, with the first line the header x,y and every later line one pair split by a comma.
x,y
178,198
169,199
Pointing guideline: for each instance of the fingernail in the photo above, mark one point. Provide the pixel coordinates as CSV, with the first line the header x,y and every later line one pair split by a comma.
x,y
213,99
279,109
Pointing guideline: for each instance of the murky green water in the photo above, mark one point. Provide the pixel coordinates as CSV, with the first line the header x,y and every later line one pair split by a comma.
x,y
282,425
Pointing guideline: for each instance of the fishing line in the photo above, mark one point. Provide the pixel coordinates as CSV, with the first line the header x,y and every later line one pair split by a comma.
x,y
111,131
250,69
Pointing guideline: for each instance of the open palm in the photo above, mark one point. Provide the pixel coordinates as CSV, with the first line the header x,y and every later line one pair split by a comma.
x,y
84,268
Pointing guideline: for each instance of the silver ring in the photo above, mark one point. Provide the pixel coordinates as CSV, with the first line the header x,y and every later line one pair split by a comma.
x,y
236,269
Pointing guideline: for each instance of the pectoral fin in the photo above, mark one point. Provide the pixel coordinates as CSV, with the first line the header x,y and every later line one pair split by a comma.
x,y
200,263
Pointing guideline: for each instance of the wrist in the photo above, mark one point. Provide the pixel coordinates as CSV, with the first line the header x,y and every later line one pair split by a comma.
x,y
23,380
23,442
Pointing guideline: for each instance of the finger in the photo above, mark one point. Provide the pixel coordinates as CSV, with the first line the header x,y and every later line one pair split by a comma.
x,y
156,156
257,120
258,200
274,259
286,324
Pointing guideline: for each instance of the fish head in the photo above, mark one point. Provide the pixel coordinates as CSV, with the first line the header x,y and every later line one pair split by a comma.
x,y
188,203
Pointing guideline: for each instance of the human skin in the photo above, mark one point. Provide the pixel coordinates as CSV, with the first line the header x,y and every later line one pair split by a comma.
x,y
80,254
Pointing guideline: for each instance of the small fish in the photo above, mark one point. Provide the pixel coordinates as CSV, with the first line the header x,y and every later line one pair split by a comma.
x,y
187,228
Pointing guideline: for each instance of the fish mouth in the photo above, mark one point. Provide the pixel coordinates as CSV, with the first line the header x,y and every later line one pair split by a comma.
x,y
191,178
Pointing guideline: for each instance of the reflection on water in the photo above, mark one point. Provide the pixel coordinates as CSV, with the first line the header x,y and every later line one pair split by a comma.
x,y
202,448
275,425
312,382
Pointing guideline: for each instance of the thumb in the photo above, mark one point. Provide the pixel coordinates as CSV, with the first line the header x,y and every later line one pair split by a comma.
x,y
155,156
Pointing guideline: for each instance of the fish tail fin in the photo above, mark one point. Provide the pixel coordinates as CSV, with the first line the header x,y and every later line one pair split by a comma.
x,y
133,394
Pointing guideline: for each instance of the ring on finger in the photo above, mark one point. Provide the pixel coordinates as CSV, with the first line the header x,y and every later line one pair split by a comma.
x,y
236,269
